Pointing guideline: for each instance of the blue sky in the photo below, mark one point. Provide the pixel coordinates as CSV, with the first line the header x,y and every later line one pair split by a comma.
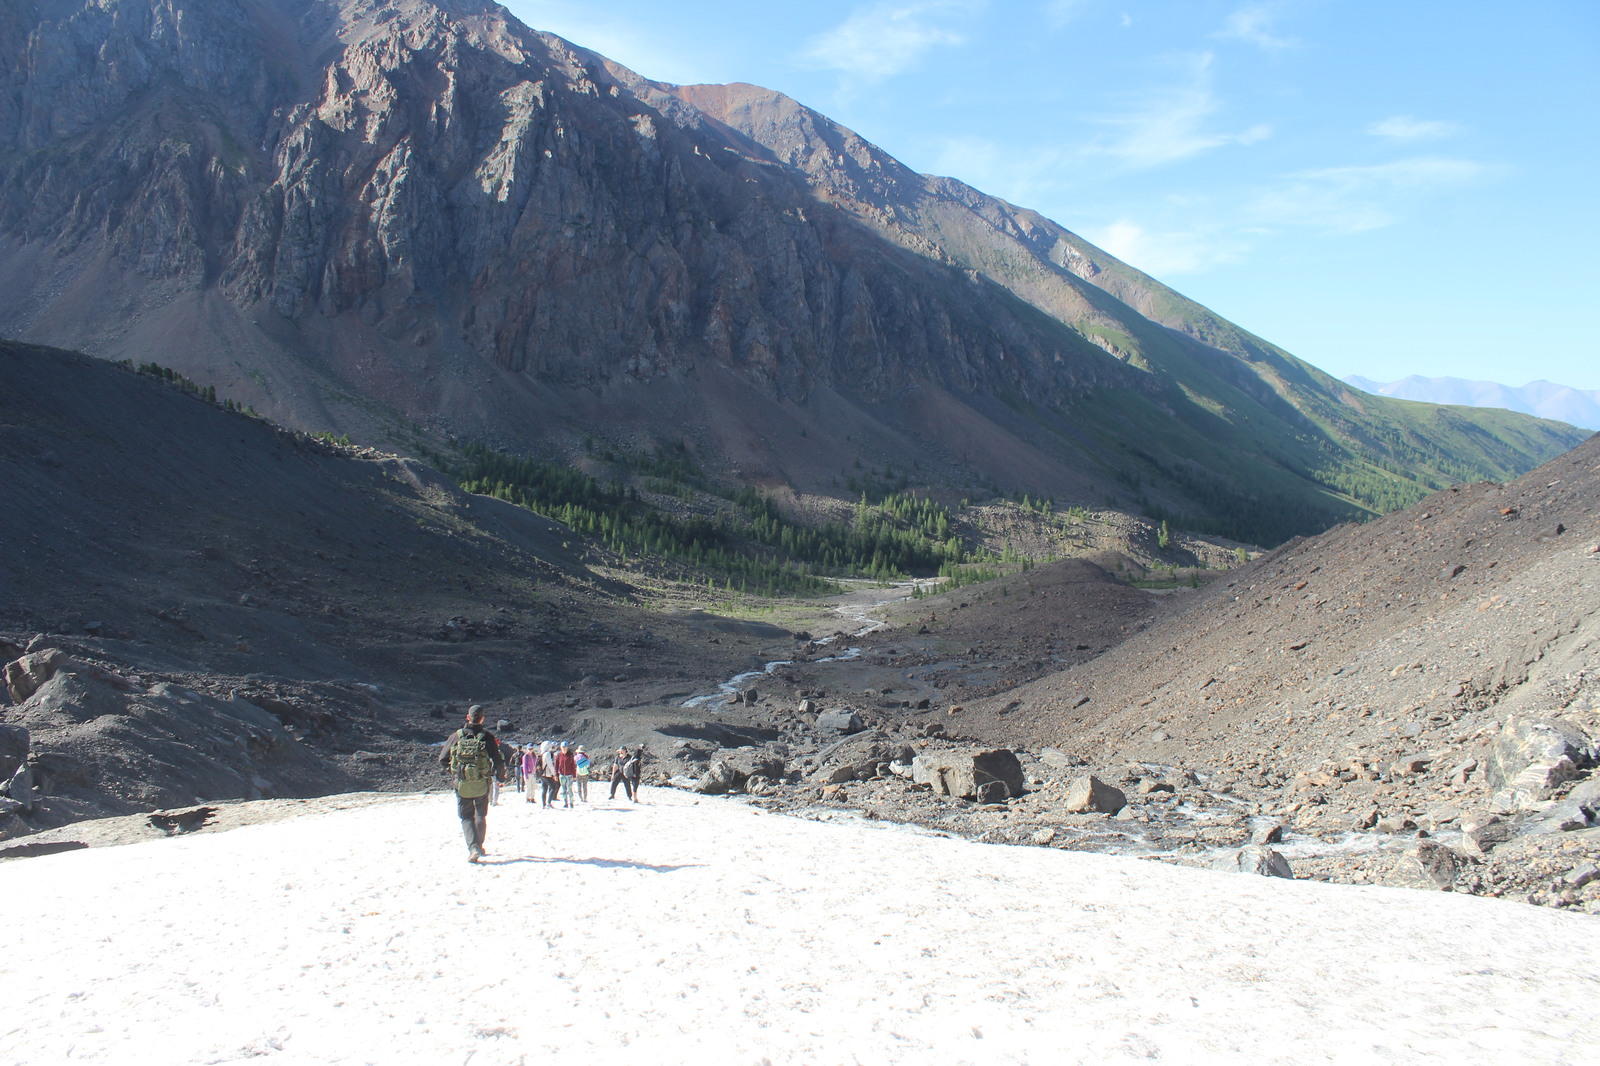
x,y
1382,187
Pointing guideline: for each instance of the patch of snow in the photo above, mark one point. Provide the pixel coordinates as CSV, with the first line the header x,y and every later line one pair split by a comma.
x,y
682,930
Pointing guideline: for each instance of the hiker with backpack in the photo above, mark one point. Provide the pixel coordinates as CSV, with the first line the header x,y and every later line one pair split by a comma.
x,y
619,774
547,774
475,761
634,769
584,766
566,771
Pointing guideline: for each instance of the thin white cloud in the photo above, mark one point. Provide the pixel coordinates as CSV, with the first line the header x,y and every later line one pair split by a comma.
x,y
1171,124
881,41
1168,252
1254,25
1353,199
1060,13
1334,200
1406,128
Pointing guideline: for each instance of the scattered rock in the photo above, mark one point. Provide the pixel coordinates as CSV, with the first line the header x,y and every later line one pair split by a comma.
x,y
1537,747
840,721
1255,860
718,778
966,774
1482,837
1427,865
1089,793
26,675
1395,823
18,789
1056,758
14,746
182,821
1267,834
1579,876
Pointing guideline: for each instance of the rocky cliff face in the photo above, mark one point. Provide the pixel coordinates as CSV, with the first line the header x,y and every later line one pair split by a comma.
x,y
349,212
450,176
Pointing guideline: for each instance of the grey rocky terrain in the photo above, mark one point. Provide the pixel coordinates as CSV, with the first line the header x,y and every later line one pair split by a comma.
x,y
1411,701
1414,701
423,223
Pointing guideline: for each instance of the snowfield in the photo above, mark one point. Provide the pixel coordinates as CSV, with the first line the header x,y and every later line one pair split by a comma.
x,y
703,930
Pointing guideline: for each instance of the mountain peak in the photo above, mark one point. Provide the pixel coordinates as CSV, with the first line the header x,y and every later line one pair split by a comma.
x,y
361,216
1540,398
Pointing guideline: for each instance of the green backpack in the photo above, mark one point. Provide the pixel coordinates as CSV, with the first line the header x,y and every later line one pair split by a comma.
x,y
470,761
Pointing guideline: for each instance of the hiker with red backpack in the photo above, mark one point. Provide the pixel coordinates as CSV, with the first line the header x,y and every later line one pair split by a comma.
x,y
475,761
566,772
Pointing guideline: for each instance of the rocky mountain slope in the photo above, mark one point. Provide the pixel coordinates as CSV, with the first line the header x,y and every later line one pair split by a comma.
x,y
394,217
1432,670
197,605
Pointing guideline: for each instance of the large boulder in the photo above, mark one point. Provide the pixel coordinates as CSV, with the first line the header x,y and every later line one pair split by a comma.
x,y
13,749
1587,795
839,720
1254,859
1537,754
99,747
1579,809
17,790
1564,817
28,674
860,757
970,775
751,761
1479,836
1427,865
718,778
732,768
1089,793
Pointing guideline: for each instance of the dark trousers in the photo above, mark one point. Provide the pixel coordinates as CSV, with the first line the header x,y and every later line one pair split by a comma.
x,y
627,786
475,809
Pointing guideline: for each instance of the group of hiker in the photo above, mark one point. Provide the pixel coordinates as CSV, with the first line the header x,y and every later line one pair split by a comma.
x,y
562,770
479,763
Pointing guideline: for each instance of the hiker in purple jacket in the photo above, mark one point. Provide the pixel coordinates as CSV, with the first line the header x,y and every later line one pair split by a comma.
x,y
530,771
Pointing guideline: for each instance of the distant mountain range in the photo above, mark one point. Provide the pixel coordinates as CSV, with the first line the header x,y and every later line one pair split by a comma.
x,y
1544,399
414,221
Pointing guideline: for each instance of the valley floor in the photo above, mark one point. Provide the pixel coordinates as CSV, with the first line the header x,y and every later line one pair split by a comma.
x,y
683,930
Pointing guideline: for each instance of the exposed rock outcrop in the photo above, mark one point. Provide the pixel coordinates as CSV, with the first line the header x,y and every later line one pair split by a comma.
x,y
986,776
423,209
100,749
